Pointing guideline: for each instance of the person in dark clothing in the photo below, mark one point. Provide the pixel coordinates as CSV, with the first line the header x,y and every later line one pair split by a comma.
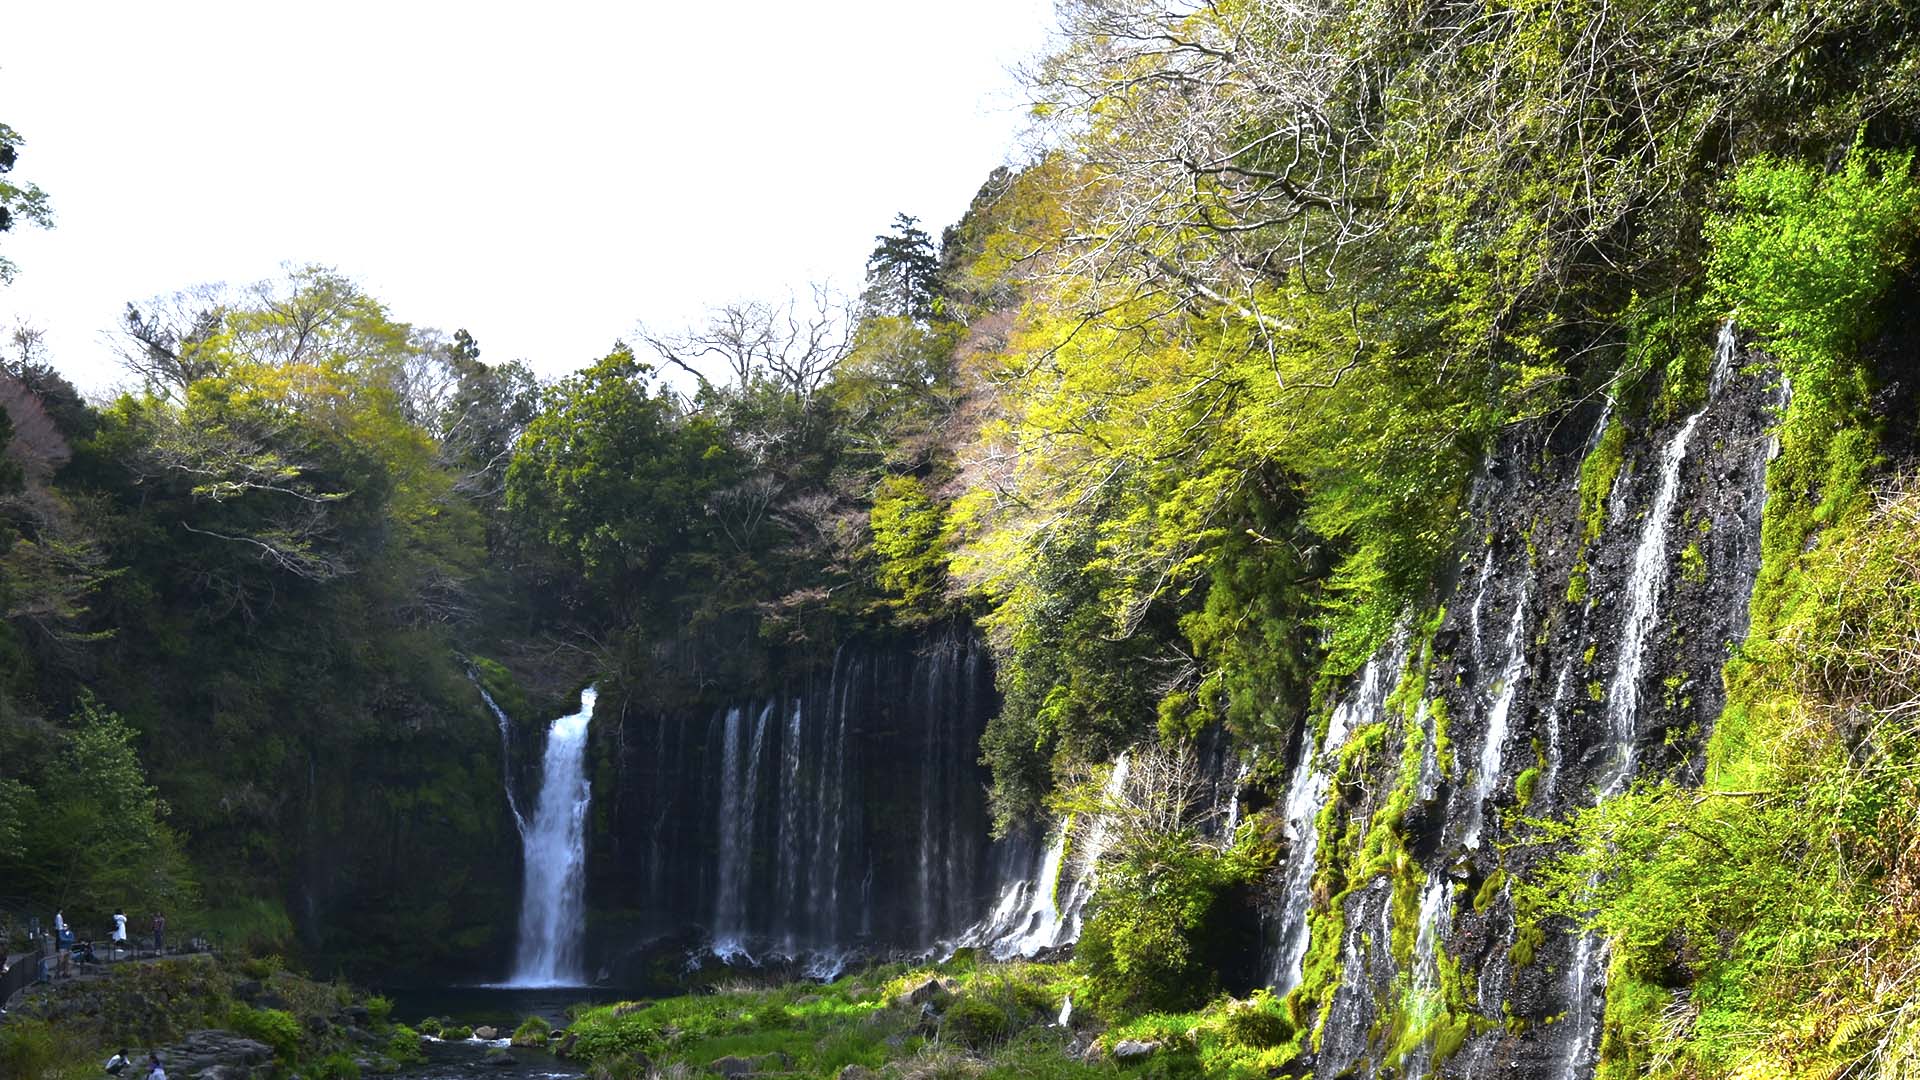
x,y
159,932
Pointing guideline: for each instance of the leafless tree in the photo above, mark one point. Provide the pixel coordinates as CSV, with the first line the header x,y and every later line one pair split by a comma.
x,y
428,381
162,341
37,444
791,345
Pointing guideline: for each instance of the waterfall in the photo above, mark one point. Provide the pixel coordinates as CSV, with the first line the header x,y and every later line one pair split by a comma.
x,y
1487,774
844,815
1025,919
552,904
1306,796
1556,718
1424,1000
1232,823
823,882
506,756
1092,845
1366,976
1029,916
791,902
739,804
1586,976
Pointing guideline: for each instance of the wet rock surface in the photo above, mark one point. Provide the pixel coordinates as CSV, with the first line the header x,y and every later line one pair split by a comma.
x,y
1581,648
224,1054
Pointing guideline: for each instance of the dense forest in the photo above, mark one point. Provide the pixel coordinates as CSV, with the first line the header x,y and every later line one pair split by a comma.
x,y
1494,421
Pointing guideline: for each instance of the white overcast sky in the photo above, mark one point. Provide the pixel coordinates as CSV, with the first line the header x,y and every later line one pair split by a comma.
x,y
545,175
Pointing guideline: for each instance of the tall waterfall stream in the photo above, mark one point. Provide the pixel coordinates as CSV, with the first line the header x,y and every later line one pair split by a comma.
x,y
552,897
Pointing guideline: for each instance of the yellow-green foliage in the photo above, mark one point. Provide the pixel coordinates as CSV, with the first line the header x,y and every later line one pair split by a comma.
x,y
1163,879
33,1049
1001,1011
1527,939
1598,471
1524,784
1773,881
1242,1039
907,526
403,1046
1489,890
275,1027
532,1032
974,1023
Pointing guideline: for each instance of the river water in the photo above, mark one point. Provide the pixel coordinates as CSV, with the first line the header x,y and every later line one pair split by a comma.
x,y
499,1007
463,1061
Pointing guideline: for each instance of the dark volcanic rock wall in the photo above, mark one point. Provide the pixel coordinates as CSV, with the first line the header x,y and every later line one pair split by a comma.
x,y
1536,693
846,810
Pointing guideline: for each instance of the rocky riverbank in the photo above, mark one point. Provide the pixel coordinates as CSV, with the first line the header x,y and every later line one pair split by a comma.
x,y
207,1019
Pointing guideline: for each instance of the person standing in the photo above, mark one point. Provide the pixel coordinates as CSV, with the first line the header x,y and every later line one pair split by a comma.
x,y
159,932
119,934
60,927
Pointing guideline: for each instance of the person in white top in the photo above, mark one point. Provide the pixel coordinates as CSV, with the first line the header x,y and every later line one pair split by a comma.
x,y
118,1063
119,926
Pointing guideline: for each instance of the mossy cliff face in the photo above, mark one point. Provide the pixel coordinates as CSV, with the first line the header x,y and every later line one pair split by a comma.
x,y
1578,645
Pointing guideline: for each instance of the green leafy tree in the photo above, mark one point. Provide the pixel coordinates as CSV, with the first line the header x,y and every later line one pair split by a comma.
x,y
18,202
902,272
614,482
92,833
1150,941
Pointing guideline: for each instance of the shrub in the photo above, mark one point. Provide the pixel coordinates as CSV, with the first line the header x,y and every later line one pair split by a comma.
x,y
432,1026
456,1032
337,1066
973,1023
275,1027
1162,882
1258,1022
607,1033
532,1031
380,1010
262,967
29,1049
403,1046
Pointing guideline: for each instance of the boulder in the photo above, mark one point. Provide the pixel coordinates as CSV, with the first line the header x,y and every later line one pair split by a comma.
x,y
933,992
856,1072
1131,1050
487,1032
497,1057
236,1056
